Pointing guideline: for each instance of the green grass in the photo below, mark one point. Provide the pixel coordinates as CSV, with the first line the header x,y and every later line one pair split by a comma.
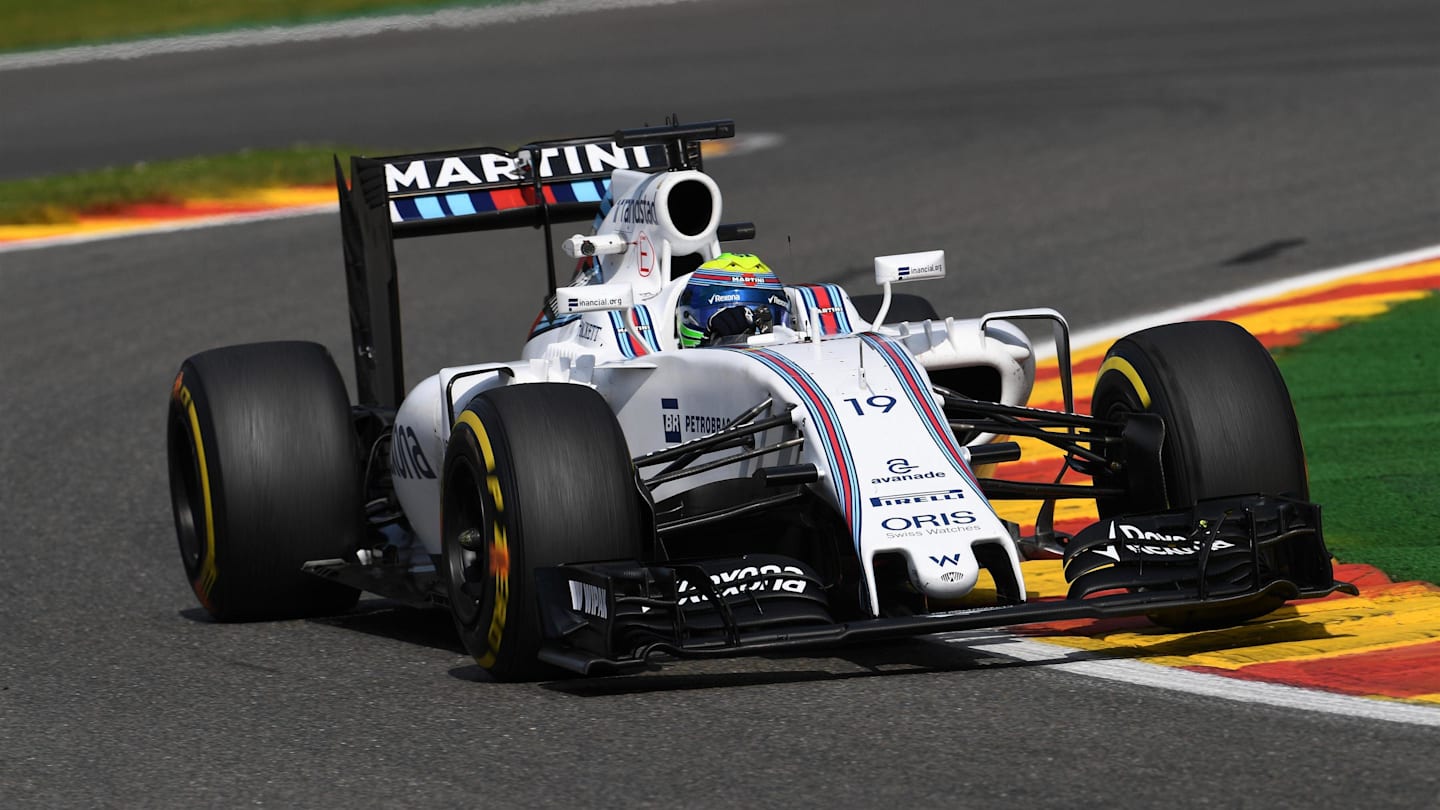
x,y
1368,398
27,24
62,198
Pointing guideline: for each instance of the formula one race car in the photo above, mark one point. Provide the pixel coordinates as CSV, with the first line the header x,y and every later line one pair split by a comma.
x,y
690,458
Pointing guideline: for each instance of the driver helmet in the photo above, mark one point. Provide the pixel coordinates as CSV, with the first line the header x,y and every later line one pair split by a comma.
x,y
729,298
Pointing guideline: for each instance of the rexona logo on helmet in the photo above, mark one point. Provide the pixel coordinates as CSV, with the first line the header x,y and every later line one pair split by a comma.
x,y
728,299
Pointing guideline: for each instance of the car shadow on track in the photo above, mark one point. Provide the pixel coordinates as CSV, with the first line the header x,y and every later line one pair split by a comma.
x,y
898,658
396,621
384,618
399,622
929,655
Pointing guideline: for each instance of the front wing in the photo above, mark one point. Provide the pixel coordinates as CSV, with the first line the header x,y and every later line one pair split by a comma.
x,y
1235,557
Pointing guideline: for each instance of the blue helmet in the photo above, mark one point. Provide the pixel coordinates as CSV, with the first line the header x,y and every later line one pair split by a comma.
x,y
728,298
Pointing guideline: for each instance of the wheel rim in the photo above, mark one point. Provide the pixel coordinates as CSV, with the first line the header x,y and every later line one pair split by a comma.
x,y
185,493
466,569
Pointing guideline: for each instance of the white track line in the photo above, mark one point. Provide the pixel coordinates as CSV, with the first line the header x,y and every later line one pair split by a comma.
x,y
1138,673
1114,330
453,18
1209,306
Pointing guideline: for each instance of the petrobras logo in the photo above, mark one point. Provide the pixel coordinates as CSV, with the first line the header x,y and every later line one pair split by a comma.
x,y
702,425
720,299
670,419
678,425
919,497
498,167
750,579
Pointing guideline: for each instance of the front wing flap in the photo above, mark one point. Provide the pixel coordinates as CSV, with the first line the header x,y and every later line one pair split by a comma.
x,y
1219,557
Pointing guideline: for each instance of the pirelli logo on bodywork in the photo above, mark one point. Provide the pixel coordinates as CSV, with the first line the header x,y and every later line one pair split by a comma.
x,y
919,497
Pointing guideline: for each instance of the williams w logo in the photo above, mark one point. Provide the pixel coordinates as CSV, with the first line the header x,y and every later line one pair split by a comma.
x,y
948,559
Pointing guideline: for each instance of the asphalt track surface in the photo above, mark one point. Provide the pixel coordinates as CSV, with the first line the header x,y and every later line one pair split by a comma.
x,y
1104,158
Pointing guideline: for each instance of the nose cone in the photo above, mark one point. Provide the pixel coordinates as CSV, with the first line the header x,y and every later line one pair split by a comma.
x,y
950,575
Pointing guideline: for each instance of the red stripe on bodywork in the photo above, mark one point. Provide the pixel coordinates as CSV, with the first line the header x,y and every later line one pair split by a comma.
x,y
927,405
832,433
829,323
639,346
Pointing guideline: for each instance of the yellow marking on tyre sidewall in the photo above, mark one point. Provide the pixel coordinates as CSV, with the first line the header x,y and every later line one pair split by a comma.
x,y
499,545
208,571
493,482
1120,364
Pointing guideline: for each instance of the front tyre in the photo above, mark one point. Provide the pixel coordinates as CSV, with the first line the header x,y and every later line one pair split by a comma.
x,y
1229,429
263,477
535,475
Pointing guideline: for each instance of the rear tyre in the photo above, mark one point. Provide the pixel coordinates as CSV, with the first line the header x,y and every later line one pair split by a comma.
x,y
902,308
535,475
263,477
1230,428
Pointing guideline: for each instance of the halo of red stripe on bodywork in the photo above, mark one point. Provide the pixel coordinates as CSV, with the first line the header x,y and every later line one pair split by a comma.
x,y
842,466
903,365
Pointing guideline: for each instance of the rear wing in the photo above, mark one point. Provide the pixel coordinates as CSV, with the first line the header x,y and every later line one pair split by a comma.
x,y
485,188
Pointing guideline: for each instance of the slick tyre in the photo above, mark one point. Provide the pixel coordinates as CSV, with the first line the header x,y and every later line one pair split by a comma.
x,y
1229,428
263,477
902,308
535,475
